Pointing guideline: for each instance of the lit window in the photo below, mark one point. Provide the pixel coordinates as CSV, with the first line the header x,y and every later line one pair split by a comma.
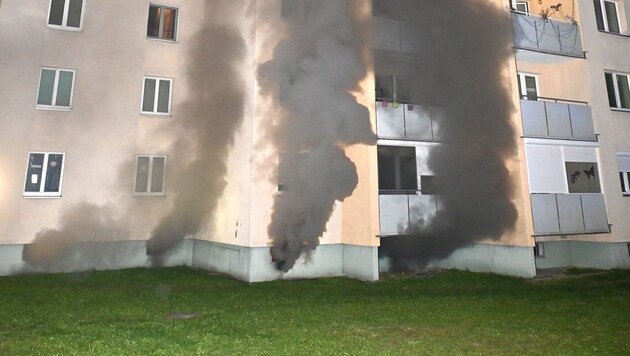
x,y
55,88
582,177
44,172
618,90
150,175
162,22
607,16
65,14
156,96
397,169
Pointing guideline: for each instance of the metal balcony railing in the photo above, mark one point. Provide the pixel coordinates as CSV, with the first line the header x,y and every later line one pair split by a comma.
x,y
557,118
407,121
547,35
405,213
566,214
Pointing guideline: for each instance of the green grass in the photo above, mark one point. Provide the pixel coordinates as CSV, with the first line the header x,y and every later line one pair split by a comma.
x,y
127,312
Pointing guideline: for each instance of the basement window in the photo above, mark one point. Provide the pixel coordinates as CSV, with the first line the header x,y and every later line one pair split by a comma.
x,y
607,14
44,174
539,249
55,89
162,22
397,170
522,6
150,172
156,96
582,177
618,86
66,14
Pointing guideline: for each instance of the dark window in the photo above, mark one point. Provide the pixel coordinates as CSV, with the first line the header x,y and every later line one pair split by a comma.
x,y
66,13
43,174
397,169
607,16
618,86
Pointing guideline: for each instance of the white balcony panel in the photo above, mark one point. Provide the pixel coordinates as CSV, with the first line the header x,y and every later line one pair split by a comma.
x,y
595,219
570,213
394,214
418,122
545,214
390,121
582,122
558,120
534,118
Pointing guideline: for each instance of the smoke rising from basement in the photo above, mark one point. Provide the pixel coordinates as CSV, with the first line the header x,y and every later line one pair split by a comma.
x,y
317,67
460,69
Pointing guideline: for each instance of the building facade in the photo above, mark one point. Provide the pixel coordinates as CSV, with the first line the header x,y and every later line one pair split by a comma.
x,y
168,133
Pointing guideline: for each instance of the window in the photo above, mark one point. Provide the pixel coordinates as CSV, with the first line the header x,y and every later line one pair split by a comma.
x,y
623,161
150,175
156,96
55,88
607,16
162,22
66,14
44,172
582,177
618,90
539,249
397,169
389,87
528,86
522,6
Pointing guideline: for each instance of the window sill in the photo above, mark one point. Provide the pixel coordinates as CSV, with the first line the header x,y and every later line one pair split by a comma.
x,y
615,33
64,28
149,195
620,110
162,40
40,196
53,108
155,114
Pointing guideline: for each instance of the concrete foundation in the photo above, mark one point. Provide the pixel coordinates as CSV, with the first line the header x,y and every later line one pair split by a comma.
x,y
584,254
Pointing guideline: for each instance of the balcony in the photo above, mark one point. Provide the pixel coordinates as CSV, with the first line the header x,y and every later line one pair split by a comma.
x,y
557,119
407,121
560,214
406,213
553,36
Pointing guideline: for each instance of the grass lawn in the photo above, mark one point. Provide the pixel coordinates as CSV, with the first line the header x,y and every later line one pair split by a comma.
x,y
182,311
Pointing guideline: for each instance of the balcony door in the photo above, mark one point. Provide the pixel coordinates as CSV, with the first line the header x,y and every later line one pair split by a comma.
x,y
528,86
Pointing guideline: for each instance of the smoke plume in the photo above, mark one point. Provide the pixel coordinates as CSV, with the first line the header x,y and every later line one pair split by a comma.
x,y
205,126
464,47
315,69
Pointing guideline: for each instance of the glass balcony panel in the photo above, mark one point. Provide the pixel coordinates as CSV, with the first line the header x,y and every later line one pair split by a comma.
x,y
556,214
390,121
582,122
558,120
594,207
546,35
570,213
418,122
545,214
534,118
394,214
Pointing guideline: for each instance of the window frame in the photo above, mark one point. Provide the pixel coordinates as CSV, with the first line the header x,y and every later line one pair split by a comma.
x,y
624,172
156,95
522,85
617,93
517,3
605,19
160,36
398,170
42,193
149,193
53,105
64,22
396,92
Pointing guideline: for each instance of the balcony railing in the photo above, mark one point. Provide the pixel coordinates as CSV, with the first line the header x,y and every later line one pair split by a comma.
x,y
546,35
559,214
406,213
555,118
407,121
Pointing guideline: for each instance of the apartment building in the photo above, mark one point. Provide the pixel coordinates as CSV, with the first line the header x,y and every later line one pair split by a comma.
x,y
142,133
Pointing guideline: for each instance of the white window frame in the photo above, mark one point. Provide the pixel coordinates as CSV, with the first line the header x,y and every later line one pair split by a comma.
x,y
150,177
53,105
64,22
517,3
42,179
160,36
602,4
624,172
616,88
156,96
523,84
